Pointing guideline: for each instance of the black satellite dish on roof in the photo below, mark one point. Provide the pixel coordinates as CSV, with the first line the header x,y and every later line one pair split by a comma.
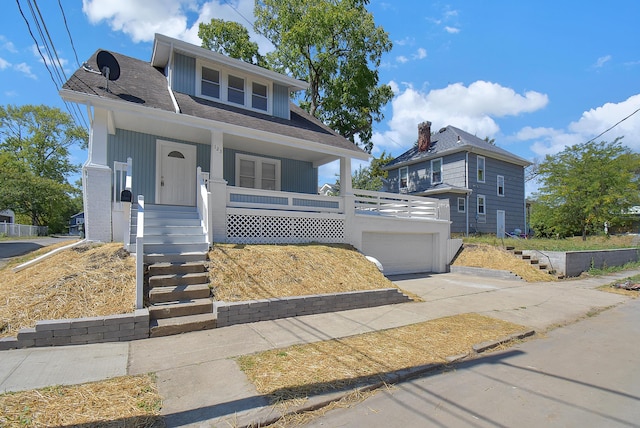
x,y
108,66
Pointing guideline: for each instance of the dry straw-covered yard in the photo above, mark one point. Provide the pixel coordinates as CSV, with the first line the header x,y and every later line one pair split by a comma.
x,y
85,281
250,272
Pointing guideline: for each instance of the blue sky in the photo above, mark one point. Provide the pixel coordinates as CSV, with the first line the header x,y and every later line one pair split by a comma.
x,y
535,75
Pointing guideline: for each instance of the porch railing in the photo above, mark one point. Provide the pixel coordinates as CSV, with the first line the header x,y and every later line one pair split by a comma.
x,y
240,197
202,201
122,179
140,255
365,202
399,205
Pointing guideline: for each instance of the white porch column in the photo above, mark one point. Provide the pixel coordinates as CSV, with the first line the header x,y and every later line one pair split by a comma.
x,y
346,192
217,190
96,182
345,177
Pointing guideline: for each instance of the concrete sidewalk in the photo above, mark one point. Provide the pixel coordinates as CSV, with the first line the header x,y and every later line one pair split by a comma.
x,y
201,384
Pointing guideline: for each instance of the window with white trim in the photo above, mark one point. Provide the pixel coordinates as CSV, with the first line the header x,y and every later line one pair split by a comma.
x,y
210,83
257,173
404,177
235,90
462,205
480,167
436,171
482,209
500,185
259,96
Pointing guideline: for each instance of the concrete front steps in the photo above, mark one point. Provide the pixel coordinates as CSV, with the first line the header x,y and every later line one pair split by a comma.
x,y
175,254
532,260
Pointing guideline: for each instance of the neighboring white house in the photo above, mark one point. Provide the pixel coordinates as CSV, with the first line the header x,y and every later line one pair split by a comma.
x,y
193,127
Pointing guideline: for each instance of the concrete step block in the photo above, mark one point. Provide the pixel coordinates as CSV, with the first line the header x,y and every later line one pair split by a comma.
x,y
167,268
176,248
178,257
178,279
171,326
178,293
181,308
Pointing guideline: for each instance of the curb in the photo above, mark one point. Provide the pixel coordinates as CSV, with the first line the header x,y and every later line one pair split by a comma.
x,y
323,400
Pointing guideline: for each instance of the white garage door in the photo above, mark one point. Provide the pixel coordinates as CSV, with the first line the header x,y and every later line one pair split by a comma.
x,y
400,253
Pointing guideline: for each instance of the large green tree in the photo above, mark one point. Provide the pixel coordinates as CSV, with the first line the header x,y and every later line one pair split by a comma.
x,y
585,186
231,39
35,165
336,46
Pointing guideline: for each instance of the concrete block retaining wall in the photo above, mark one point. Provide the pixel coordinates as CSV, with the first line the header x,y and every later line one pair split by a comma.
x,y
573,263
270,309
78,331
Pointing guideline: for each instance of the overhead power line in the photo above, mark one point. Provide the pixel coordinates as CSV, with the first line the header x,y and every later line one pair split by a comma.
x,y
613,126
48,53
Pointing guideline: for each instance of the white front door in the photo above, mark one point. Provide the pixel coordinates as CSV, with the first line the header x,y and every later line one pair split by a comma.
x,y
175,173
500,222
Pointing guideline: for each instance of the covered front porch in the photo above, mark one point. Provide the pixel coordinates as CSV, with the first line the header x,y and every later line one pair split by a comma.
x,y
405,233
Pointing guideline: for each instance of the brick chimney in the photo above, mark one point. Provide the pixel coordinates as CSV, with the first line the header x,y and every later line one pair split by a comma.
x,y
424,136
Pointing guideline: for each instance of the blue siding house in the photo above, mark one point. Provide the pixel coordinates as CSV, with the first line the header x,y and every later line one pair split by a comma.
x,y
483,183
195,133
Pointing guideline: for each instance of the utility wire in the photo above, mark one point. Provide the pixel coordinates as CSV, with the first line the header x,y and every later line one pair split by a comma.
x,y
49,61
66,25
609,129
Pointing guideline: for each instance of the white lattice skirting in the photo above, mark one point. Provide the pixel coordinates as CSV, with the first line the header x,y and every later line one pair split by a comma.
x,y
278,229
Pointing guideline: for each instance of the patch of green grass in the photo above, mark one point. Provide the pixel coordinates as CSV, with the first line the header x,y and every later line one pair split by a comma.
x,y
612,269
566,244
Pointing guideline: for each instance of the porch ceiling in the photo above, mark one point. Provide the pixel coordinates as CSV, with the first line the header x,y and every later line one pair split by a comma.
x,y
271,145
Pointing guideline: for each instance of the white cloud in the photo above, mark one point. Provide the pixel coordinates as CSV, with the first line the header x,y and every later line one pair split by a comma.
x,y
405,41
402,59
546,141
602,61
4,64
25,69
7,45
34,49
179,19
451,30
471,108
421,53
597,120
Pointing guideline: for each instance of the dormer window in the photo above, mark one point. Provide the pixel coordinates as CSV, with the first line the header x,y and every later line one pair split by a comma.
x,y
210,82
236,90
220,83
259,96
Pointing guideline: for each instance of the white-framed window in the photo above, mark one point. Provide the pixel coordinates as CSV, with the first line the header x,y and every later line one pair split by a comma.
x,y
221,84
210,82
500,185
257,173
480,167
436,171
235,90
482,209
462,205
403,177
259,100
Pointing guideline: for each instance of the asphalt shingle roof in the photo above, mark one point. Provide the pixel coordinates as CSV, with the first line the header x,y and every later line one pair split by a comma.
x,y
449,140
144,84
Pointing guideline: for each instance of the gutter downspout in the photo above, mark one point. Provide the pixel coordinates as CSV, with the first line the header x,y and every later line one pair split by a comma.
x,y
466,179
176,107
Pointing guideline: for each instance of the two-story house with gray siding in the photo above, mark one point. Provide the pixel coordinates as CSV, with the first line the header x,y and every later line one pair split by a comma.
x,y
483,183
